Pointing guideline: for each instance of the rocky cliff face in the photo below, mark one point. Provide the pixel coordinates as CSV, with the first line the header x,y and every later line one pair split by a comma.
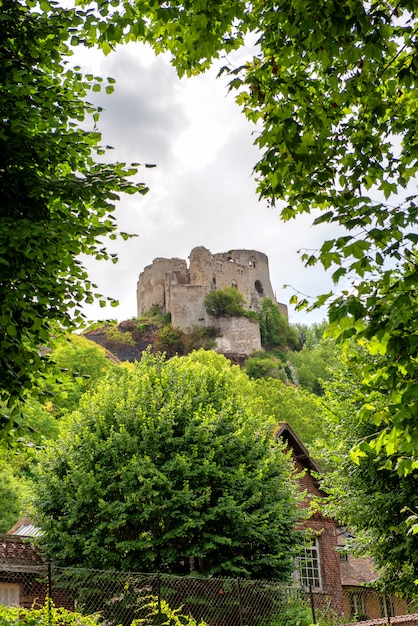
x,y
125,349
126,343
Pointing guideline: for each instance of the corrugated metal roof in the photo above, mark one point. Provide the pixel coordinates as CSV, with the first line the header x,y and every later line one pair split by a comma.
x,y
28,530
25,528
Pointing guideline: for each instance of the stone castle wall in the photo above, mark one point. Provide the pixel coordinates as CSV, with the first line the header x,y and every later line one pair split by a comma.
x,y
180,289
238,335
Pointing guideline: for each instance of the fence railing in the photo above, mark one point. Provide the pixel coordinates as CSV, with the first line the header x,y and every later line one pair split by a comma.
x,y
121,597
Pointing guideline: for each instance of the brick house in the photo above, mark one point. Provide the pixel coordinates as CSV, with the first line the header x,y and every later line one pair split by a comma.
x,y
360,601
338,579
22,573
319,565
24,579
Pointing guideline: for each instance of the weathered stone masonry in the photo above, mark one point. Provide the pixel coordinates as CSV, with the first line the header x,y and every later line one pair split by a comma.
x,y
180,289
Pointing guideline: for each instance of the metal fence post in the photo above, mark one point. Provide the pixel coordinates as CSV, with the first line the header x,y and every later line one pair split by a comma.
x,y
49,593
387,608
159,598
312,604
239,602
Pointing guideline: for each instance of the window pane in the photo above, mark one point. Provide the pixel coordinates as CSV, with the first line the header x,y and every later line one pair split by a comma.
x,y
309,566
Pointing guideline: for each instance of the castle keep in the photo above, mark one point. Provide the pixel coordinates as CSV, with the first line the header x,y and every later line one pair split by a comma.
x,y
180,289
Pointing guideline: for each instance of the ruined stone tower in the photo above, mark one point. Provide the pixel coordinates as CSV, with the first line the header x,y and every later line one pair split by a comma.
x,y
180,289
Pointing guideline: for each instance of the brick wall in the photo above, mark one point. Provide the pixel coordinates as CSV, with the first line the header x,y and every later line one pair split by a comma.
x,y
21,565
325,531
15,549
405,620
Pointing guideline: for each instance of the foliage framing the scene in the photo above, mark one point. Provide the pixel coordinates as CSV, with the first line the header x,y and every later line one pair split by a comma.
x,y
373,502
331,87
57,200
170,470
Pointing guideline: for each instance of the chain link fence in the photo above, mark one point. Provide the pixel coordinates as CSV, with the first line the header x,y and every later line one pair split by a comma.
x,y
121,597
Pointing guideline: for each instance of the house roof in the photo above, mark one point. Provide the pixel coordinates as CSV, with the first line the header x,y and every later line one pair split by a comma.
x,y
288,435
25,528
356,570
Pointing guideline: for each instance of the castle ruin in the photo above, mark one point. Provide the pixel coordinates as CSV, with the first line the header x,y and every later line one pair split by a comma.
x,y
180,289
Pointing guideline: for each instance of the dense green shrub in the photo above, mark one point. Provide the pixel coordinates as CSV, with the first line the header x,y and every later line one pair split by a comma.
x,y
227,302
200,337
46,615
161,611
265,365
171,340
156,316
294,613
116,337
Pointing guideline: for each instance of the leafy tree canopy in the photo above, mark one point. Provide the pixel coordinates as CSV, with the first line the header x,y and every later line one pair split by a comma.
x,y
294,405
275,331
266,365
77,366
170,469
373,501
314,363
331,85
57,200
13,490
310,335
225,302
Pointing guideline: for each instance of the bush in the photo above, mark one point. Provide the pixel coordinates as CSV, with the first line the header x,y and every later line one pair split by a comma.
x,y
294,613
114,336
46,615
228,302
200,337
154,316
171,617
142,326
266,365
171,340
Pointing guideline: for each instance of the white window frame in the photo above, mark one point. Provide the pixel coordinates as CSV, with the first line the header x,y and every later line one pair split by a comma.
x,y
309,566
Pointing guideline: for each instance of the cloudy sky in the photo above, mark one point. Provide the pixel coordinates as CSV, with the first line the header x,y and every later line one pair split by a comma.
x,y
201,193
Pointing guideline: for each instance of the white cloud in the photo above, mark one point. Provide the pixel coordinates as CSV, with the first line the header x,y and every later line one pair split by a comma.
x,y
202,191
